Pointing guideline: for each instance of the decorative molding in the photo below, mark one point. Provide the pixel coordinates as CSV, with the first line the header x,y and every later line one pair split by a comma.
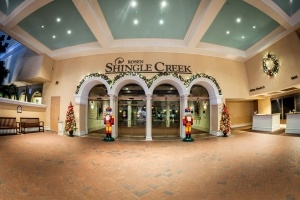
x,y
150,81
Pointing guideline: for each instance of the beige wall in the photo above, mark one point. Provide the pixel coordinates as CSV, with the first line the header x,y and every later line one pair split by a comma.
x,y
240,112
287,51
264,106
10,110
231,75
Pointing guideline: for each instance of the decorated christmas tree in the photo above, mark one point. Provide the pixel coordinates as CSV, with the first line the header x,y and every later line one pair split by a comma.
x,y
225,121
70,120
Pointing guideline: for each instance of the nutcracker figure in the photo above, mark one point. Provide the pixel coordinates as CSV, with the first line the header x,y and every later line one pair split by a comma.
x,y
109,121
187,121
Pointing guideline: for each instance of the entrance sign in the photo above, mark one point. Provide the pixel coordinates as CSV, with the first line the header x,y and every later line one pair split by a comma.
x,y
140,66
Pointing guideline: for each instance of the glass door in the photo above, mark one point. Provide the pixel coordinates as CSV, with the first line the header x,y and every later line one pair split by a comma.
x,y
132,118
165,118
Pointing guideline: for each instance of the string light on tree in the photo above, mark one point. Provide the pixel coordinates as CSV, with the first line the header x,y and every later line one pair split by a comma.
x,y
225,121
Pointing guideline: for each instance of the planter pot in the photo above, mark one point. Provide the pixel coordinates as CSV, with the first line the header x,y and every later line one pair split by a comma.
x,y
71,133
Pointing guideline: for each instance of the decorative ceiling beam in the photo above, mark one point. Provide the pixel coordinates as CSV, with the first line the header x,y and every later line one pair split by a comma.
x,y
94,18
272,10
205,15
22,11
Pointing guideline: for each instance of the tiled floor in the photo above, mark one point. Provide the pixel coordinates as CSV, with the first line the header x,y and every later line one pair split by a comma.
x,y
245,165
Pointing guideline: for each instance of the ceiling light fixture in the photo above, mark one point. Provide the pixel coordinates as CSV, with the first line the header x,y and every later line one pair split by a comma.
x,y
163,4
135,22
254,27
133,4
69,32
53,36
243,37
58,19
161,22
43,26
227,32
238,20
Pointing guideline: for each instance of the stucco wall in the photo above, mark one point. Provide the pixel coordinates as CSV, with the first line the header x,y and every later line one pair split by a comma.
x,y
287,52
231,75
8,108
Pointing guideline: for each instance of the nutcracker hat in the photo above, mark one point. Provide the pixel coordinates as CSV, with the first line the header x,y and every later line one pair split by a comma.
x,y
187,110
108,109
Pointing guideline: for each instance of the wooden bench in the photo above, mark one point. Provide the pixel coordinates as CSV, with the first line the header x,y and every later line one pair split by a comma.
x,y
31,123
9,123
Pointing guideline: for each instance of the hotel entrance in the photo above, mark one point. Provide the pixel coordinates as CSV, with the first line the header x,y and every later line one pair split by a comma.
x,y
131,112
132,118
165,112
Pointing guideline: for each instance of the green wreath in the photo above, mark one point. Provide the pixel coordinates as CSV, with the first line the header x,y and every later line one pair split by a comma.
x,y
274,70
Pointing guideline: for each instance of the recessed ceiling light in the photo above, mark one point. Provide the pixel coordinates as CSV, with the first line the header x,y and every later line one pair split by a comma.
x,y
163,4
243,37
43,26
53,36
227,32
58,19
161,22
69,31
135,22
238,20
254,27
133,4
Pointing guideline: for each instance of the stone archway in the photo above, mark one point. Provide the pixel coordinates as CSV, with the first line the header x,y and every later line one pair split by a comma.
x,y
215,102
115,91
81,100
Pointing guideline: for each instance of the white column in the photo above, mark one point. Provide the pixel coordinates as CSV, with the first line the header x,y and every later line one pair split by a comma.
x,y
168,114
183,104
112,104
129,114
149,117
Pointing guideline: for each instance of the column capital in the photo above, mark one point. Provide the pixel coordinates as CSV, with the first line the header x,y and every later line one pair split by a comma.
x,y
184,97
148,97
112,97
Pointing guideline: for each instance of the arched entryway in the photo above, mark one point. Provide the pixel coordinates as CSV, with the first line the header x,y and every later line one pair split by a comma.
x,y
131,111
165,112
214,105
98,100
198,102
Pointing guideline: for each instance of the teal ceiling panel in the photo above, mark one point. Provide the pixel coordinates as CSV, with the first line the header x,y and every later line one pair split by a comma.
x,y
58,25
167,19
7,6
239,25
288,6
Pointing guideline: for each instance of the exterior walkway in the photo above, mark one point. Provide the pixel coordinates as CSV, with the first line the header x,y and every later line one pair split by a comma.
x,y
245,165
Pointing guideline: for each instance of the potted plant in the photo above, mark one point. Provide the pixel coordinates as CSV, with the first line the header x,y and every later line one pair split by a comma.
x,y
70,123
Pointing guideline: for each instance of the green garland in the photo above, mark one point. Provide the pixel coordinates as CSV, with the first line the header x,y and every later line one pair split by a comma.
x,y
274,70
150,81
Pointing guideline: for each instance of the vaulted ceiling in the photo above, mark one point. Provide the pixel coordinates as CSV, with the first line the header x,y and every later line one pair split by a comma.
x,y
233,29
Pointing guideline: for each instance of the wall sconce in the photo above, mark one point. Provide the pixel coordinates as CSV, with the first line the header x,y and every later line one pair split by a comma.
x,y
92,104
205,103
